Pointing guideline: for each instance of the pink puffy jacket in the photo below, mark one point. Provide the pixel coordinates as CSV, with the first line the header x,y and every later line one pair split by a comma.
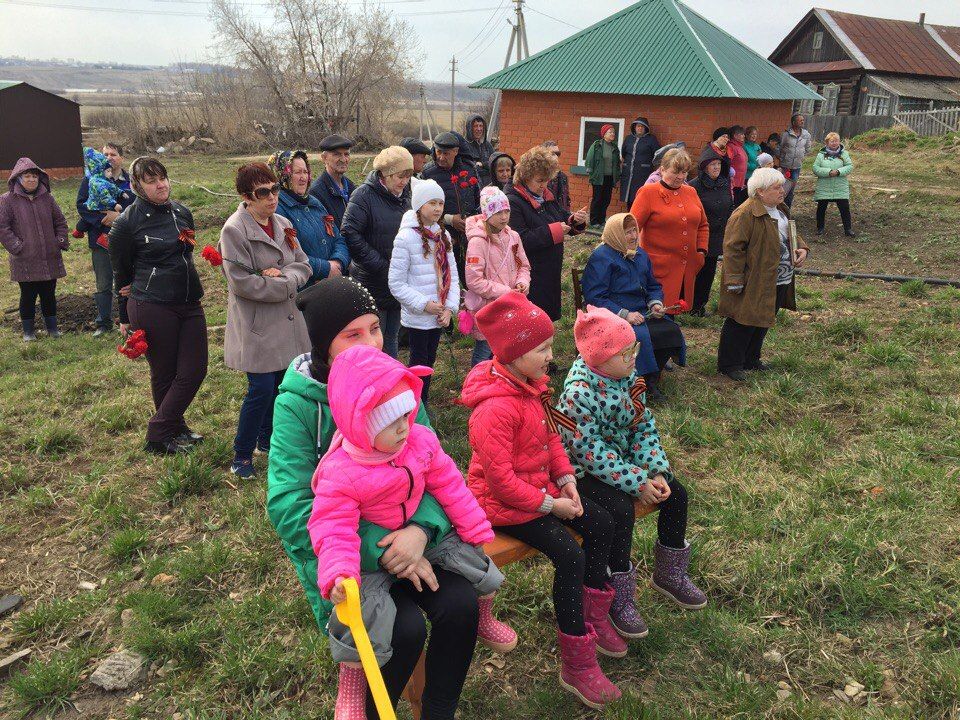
x,y
385,494
516,458
495,264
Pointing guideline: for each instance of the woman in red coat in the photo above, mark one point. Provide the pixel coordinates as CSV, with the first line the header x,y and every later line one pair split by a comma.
x,y
674,230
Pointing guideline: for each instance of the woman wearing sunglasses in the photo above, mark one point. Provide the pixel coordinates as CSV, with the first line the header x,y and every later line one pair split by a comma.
x,y
619,277
265,267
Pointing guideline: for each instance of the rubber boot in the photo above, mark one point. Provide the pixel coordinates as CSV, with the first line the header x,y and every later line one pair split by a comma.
x,y
596,612
351,694
624,615
580,673
670,577
496,635
51,324
29,330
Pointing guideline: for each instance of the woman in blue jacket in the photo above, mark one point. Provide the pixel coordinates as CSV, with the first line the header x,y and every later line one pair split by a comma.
x,y
317,230
619,277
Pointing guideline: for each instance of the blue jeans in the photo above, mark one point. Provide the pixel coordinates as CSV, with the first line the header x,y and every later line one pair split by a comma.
x,y
103,297
794,176
256,414
390,327
481,352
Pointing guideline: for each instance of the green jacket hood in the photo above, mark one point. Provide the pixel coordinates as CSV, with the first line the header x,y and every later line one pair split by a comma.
x,y
299,380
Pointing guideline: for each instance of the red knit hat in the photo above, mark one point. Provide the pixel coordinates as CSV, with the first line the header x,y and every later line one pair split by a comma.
x,y
513,326
600,335
604,128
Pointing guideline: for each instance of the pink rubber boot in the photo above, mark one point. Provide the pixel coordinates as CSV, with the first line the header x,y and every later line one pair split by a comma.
x,y
596,612
496,635
581,674
351,694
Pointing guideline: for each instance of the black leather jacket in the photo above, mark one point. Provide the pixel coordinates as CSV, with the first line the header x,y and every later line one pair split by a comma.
x,y
147,254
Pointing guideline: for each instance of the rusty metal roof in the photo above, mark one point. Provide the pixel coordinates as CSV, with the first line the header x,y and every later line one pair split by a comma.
x,y
653,47
812,67
895,46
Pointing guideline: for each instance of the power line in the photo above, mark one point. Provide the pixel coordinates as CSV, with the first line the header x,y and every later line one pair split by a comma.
x,y
445,12
551,17
482,28
90,8
489,36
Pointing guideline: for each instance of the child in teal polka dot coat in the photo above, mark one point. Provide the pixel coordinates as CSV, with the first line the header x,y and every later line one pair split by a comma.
x,y
618,457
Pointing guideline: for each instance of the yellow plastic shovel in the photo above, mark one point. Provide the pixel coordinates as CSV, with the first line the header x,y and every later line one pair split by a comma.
x,y
348,612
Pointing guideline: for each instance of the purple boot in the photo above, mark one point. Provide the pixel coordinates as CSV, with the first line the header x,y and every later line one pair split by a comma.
x,y
624,616
670,577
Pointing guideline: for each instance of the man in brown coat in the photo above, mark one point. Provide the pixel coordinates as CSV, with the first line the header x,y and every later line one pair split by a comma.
x,y
760,251
34,232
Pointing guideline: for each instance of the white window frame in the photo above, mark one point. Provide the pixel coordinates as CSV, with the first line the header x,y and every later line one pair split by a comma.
x,y
807,106
581,150
818,39
831,98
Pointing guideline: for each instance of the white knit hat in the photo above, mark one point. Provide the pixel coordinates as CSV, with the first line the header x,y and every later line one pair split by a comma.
x,y
764,160
388,411
423,191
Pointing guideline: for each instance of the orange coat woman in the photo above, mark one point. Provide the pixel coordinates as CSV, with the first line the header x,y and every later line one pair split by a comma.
x,y
674,230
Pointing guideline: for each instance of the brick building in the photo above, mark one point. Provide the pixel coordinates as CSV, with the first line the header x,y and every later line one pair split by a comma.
x,y
656,58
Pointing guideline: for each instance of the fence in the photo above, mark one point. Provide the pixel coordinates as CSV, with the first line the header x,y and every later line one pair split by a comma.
x,y
930,122
846,125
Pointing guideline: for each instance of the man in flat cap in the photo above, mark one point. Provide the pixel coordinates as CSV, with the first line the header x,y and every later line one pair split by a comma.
x,y
420,152
461,190
333,188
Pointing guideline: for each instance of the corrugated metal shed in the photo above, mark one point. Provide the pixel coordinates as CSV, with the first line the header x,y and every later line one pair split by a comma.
x,y
4,84
654,47
942,89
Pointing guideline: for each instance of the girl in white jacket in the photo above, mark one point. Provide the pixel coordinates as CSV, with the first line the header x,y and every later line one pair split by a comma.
x,y
423,275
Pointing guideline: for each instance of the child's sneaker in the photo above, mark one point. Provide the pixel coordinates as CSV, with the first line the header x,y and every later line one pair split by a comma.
x,y
351,694
496,635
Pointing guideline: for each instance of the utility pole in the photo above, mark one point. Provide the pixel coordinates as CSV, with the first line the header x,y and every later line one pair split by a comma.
x,y
425,111
453,88
518,40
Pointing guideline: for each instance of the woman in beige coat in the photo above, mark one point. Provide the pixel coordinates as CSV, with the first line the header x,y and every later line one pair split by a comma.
x,y
264,267
759,257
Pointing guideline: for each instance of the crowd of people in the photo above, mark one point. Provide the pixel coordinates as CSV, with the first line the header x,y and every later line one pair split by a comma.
x,y
323,277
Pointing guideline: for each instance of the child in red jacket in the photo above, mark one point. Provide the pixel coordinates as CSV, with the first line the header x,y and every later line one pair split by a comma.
x,y
522,478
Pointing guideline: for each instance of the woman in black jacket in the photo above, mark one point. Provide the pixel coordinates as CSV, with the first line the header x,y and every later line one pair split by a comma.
x,y
370,226
713,187
637,152
159,291
542,225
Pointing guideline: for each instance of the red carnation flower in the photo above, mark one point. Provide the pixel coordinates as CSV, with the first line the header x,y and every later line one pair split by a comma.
x,y
683,305
464,184
453,178
463,173
210,254
77,234
473,181
134,346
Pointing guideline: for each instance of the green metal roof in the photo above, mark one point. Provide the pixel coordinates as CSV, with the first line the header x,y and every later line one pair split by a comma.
x,y
654,47
4,84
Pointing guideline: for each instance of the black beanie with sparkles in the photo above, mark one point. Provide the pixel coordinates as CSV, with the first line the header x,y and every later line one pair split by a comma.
x,y
328,307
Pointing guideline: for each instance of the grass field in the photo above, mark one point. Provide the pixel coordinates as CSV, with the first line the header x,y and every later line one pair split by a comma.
x,y
825,513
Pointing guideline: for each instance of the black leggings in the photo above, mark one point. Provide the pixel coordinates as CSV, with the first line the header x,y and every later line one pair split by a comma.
x,y
46,290
842,205
671,523
601,201
423,351
574,566
453,613
704,283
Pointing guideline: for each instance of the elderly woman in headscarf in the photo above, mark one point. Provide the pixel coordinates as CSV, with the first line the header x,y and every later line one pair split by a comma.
x,y
316,226
619,277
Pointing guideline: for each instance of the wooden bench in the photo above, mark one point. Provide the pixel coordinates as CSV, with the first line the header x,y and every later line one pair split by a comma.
x,y
503,550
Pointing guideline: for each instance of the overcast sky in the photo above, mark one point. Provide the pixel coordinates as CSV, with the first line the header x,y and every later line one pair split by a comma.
x,y
150,32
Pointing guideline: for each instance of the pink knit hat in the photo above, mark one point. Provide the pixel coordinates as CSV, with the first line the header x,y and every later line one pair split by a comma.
x,y
513,326
492,201
600,334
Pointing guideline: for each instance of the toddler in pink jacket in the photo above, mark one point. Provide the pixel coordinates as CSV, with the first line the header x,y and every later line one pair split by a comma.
x,y
496,262
377,469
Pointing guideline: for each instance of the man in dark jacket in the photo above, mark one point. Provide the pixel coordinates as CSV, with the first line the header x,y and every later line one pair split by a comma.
x,y
333,188
480,148
713,187
99,222
638,150
420,153
461,190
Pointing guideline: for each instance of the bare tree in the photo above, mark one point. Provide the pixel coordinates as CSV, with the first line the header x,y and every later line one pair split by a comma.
x,y
321,64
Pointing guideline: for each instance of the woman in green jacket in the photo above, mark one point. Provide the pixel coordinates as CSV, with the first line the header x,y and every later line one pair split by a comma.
x,y
603,161
340,313
752,148
832,167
